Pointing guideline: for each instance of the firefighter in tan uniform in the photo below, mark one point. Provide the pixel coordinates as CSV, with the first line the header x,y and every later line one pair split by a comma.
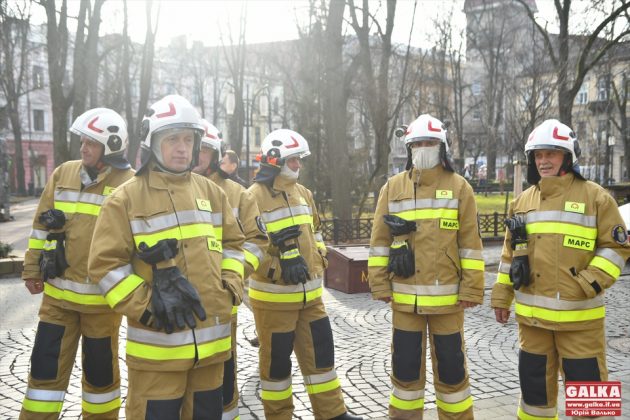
x,y
565,245
56,263
245,210
285,292
168,255
425,258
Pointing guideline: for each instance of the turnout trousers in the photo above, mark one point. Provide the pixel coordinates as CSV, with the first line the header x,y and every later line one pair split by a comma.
x,y
230,383
450,373
188,394
53,357
578,355
308,332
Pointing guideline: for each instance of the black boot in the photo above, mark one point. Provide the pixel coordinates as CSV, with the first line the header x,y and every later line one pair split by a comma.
x,y
347,416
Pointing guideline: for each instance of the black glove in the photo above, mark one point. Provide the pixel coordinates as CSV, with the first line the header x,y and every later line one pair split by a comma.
x,y
401,259
52,260
174,299
519,271
517,227
53,219
398,225
292,264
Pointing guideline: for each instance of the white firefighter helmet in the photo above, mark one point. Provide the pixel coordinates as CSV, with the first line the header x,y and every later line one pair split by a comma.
x,y
170,112
426,127
282,144
108,128
552,134
212,138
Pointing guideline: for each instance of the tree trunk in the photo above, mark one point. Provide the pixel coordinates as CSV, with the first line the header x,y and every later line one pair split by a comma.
x,y
16,127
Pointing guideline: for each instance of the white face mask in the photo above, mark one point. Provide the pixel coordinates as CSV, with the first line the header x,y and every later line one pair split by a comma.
x,y
288,173
425,157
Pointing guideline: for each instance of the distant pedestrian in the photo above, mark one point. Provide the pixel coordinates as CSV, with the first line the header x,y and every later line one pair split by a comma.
x,y
229,166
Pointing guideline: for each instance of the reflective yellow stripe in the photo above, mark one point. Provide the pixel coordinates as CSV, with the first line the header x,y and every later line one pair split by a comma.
x,y
100,408
408,299
123,289
428,214
42,406
285,297
524,416
321,245
178,232
559,316
36,243
457,407
74,297
233,265
504,278
606,266
323,387
562,228
472,264
251,259
406,405
78,207
378,261
276,395
302,219
150,352
234,310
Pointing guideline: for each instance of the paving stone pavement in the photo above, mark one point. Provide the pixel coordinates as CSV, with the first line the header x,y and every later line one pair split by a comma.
x,y
362,331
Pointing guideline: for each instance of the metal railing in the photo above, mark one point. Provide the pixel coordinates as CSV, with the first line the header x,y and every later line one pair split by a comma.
x,y
359,230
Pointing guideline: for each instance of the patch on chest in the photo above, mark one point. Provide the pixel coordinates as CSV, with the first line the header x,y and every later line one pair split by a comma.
x,y
579,243
214,245
203,205
443,194
450,224
574,207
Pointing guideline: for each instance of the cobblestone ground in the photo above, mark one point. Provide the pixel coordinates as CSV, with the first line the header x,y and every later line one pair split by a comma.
x,y
362,338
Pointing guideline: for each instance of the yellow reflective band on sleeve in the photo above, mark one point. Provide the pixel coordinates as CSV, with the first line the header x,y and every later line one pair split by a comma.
x,y
251,259
42,406
36,243
378,261
524,416
326,386
606,266
233,265
504,278
234,310
214,347
74,297
293,253
276,395
50,245
178,232
321,245
562,229
559,316
302,219
449,224
78,207
123,289
406,405
457,407
285,297
468,264
100,408
428,214
579,243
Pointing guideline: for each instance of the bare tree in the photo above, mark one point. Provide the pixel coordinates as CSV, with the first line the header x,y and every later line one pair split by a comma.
x,y
574,57
620,95
14,32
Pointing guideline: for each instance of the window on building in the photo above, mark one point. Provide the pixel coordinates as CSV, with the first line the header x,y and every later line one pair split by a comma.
x,y
38,120
38,77
582,95
476,88
476,115
603,87
257,136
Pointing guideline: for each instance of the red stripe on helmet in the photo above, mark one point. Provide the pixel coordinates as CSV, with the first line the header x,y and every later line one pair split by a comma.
x,y
294,144
558,136
431,128
92,127
171,111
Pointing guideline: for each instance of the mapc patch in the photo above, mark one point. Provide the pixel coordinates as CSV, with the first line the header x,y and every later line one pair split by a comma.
x,y
619,234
